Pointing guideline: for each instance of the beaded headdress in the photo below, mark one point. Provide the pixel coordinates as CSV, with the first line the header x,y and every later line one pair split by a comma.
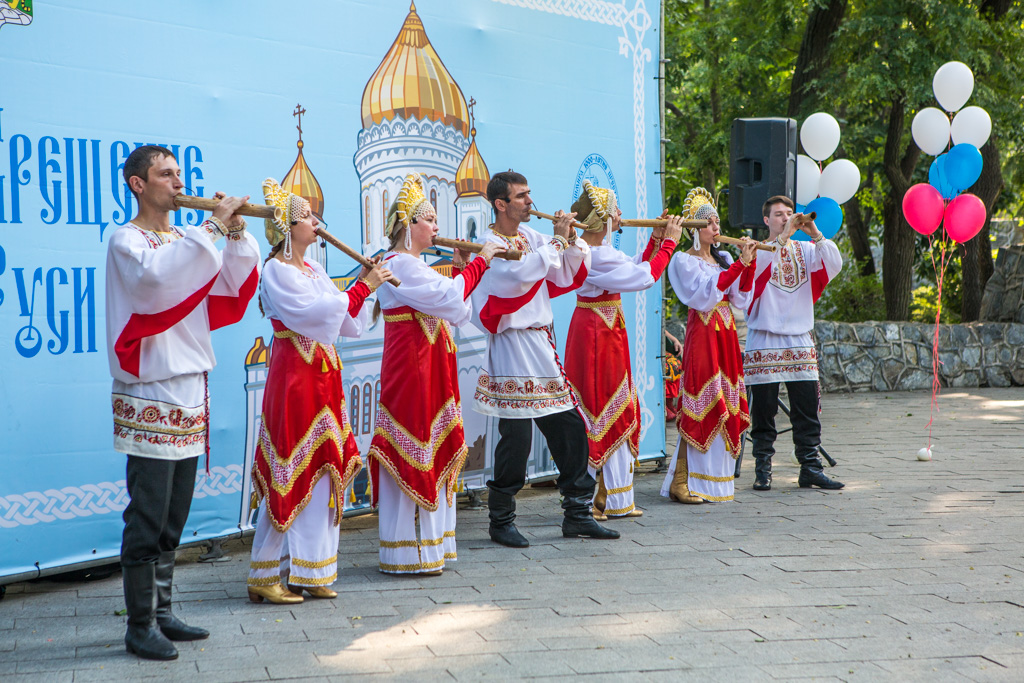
x,y
595,207
293,208
410,203
700,206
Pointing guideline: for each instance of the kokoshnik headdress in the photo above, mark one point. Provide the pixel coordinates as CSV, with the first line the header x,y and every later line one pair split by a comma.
x,y
410,203
293,209
699,206
595,207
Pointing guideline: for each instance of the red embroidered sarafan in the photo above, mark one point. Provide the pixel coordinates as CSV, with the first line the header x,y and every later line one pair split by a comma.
x,y
305,432
599,370
419,437
713,398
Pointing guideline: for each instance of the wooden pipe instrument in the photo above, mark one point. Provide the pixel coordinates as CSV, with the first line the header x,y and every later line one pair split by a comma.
x,y
184,201
662,222
509,255
266,211
351,253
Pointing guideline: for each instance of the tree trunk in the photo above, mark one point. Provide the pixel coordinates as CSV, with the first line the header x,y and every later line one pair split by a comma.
x,y
812,59
977,253
859,240
897,235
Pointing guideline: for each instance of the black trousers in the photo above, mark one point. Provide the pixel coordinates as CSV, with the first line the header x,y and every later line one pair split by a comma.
x,y
566,435
803,413
161,495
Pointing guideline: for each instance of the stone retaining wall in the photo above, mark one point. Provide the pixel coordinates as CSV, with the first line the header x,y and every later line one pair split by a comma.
x,y
888,356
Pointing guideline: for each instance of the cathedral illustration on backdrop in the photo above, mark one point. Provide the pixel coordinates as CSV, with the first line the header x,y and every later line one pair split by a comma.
x,y
415,119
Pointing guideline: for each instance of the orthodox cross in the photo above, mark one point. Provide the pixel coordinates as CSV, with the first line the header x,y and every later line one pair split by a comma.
x,y
472,120
299,111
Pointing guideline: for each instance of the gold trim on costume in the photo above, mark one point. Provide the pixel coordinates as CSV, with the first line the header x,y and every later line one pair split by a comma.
x,y
620,512
623,489
412,450
419,566
307,347
266,564
713,499
609,311
428,542
306,581
708,477
268,581
308,564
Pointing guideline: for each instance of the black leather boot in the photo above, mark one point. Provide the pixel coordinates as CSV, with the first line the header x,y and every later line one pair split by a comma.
x,y
579,522
143,638
502,511
762,473
170,625
811,473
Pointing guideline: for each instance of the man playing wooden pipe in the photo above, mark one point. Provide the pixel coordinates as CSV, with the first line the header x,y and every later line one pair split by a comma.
x,y
167,288
522,382
779,345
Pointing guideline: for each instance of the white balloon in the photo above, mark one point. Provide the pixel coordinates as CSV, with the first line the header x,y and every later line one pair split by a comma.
x,y
953,84
807,176
839,181
820,136
931,131
972,125
924,455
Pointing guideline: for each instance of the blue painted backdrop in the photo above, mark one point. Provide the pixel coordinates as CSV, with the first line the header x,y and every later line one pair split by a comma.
x,y
558,97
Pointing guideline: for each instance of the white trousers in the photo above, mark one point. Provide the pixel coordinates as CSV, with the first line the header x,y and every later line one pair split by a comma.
x,y
412,540
618,481
306,554
711,474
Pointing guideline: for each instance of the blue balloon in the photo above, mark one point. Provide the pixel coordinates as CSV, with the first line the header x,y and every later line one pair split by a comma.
x,y
800,208
937,178
963,165
828,220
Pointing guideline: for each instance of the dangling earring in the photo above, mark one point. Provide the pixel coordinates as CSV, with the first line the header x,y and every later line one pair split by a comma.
x,y
696,240
288,245
408,236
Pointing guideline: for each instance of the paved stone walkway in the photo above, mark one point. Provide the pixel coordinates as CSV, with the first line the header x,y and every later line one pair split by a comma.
x,y
913,572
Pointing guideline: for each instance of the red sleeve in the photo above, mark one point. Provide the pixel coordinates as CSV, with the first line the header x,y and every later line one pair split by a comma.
x,y
577,282
649,249
472,274
729,276
228,310
747,278
357,294
661,259
456,271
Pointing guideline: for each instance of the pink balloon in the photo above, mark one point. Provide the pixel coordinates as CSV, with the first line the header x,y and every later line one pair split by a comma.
x,y
965,216
923,207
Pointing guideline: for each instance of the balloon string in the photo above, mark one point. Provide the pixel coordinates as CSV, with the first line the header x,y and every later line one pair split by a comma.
x,y
940,274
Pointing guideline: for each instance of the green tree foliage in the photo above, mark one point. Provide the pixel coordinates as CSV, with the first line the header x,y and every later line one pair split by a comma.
x,y
872,69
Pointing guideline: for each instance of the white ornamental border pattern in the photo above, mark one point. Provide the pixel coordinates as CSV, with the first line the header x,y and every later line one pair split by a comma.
x,y
634,24
104,498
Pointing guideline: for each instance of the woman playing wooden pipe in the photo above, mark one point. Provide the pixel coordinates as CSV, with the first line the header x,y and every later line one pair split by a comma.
x,y
713,402
419,446
597,348
301,482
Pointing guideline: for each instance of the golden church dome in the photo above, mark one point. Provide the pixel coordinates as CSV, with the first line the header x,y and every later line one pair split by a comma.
x,y
413,83
299,179
472,176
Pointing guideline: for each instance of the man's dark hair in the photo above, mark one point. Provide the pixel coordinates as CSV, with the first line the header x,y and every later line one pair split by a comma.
x,y
497,188
138,162
766,210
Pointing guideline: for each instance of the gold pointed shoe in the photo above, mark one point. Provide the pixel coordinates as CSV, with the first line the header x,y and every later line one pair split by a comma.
x,y
276,593
635,512
598,515
679,489
319,592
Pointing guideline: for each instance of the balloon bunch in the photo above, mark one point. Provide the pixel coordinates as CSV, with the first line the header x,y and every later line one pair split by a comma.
x,y
822,191
941,200
927,205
